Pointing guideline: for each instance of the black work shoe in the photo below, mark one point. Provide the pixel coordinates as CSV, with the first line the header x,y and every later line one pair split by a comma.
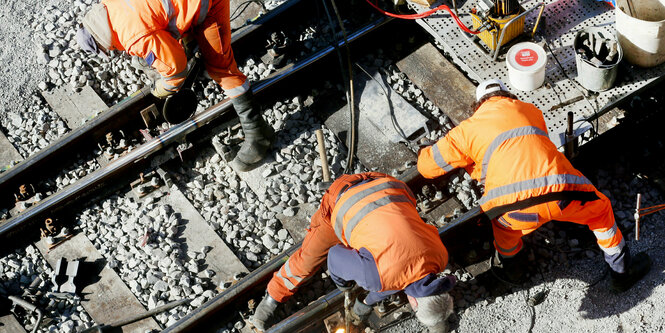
x,y
640,264
512,270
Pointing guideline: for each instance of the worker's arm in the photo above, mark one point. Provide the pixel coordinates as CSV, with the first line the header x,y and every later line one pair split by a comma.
x,y
306,260
165,54
444,156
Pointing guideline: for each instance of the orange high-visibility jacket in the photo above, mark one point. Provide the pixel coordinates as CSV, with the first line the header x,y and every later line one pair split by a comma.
x,y
381,217
150,29
506,148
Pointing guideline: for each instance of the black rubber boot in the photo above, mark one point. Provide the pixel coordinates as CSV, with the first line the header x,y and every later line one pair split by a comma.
x,y
513,269
639,266
264,316
259,136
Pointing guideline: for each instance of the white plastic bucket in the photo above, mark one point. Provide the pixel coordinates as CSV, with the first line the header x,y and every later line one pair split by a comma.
x,y
526,66
642,34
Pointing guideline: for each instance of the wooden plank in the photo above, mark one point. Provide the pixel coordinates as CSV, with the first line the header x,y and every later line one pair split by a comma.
x,y
198,233
106,298
8,152
74,107
9,324
441,82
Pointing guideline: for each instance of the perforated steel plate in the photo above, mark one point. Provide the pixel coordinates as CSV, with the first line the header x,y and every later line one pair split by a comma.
x,y
563,19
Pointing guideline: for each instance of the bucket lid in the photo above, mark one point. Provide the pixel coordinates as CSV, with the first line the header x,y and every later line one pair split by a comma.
x,y
526,57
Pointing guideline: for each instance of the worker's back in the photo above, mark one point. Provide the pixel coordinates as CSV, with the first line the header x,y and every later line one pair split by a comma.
x,y
381,217
505,146
134,19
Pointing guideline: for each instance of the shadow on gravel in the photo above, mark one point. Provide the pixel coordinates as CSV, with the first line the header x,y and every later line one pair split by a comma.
x,y
599,302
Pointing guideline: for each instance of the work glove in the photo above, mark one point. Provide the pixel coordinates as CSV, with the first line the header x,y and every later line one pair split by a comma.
x,y
159,91
264,316
361,312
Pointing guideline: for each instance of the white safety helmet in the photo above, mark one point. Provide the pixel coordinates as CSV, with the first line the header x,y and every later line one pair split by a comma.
x,y
489,86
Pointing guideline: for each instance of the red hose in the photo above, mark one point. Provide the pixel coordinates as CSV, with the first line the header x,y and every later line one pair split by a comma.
x,y
426,14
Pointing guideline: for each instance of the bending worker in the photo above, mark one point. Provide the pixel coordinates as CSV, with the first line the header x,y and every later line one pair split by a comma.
x,y
151,29
528,182
368,227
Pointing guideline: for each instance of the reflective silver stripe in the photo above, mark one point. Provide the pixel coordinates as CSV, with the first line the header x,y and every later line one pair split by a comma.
x,y
615,249
203,12
370,207
181,74
237,91
507,250
438,158
130,5
169,10
350,202
286,281
170,87
287,269
530,184
602,235
513,133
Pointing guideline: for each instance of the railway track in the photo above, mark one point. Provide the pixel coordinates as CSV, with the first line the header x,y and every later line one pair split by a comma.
x,y
237,291
120,116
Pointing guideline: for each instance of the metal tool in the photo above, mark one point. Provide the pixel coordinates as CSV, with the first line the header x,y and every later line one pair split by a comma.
x,y
182,105
639,212
347,310
24,304
114,326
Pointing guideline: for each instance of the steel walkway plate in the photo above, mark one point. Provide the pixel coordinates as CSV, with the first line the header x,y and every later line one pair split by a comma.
x,y
564,18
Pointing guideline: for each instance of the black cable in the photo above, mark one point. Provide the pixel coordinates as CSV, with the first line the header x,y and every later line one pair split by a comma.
x,y
391,110
246,5
352,107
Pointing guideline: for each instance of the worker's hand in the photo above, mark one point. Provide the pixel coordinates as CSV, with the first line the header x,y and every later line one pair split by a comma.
x,y
361,311
159,91
264,316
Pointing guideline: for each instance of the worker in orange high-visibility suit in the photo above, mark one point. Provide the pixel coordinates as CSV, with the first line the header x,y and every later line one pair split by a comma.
x,y
528,182
152,29
368,228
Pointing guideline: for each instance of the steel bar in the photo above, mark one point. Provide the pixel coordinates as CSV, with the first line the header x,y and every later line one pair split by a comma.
x,y
174,134
325,306
71,143
255,25
263,273
14,177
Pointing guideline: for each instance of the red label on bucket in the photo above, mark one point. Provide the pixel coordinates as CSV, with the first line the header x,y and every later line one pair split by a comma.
x,y
526,57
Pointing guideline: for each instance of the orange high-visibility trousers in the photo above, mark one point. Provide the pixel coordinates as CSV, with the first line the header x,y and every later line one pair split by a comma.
x,y
597,215
214,39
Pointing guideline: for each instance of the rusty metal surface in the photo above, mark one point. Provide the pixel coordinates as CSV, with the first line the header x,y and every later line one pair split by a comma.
x,y
107,299
441,82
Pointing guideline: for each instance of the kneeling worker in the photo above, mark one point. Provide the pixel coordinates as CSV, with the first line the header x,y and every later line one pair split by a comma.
x,y
528,182
368,227
151,29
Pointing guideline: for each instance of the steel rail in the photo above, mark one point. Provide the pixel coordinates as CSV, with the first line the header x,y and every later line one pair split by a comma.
x,y
72,142
96,179
327,305
261,275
